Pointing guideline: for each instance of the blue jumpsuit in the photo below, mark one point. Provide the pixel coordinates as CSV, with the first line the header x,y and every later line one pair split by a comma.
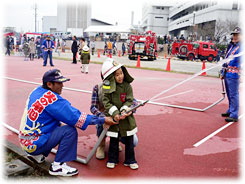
x,y
232,81
48,46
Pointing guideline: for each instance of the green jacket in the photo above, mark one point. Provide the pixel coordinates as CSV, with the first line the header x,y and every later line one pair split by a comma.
x,y
116,98
85,57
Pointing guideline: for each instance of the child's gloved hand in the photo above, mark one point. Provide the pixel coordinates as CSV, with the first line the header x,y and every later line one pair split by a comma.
x,y
117,117
124,114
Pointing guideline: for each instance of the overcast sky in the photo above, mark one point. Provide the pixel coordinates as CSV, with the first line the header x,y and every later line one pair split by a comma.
x,y
20,14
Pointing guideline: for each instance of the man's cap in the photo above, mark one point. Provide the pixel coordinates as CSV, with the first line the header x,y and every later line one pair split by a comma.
x,y
237,30
54,75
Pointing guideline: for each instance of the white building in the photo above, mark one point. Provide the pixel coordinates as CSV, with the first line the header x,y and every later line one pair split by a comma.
x,y
49,24
194,16
155,17
75,15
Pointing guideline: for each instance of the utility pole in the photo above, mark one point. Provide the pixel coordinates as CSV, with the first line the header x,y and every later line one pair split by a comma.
x,y
35,9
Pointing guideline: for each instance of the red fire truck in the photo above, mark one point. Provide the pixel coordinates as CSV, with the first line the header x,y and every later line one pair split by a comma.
x,y
143,45
196,50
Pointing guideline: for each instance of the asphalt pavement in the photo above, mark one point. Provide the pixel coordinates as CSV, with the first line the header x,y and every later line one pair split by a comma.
x,y
176,65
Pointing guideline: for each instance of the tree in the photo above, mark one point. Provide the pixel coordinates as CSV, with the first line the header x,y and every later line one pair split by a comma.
x,y
223,28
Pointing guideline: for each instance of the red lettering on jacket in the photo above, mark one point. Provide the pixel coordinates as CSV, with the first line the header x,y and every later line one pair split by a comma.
x,y
39,105
51,97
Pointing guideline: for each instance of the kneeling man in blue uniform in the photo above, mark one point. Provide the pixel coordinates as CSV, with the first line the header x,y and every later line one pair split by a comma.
x,y
41,128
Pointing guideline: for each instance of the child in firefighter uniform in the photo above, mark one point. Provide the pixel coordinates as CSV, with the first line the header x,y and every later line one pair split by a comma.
x,y
117,98
85,58
231,75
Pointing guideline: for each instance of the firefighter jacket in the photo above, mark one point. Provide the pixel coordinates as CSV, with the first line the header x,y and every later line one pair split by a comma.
x,y
85,57
116,98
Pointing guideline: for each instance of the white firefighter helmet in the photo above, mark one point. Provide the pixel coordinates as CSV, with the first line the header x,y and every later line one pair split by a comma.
x,y
109,66
85,48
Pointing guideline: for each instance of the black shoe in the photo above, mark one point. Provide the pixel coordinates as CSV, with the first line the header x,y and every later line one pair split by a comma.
x,y
229,119
44,65
225,114
51,65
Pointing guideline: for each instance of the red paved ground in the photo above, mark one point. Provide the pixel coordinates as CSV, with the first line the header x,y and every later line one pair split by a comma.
x,y
166,135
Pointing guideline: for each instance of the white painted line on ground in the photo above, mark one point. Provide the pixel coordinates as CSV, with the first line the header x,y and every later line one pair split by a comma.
x,y
181,93
36,83
215,132
212,134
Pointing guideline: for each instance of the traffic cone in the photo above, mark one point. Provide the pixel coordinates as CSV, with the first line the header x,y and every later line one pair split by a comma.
x,y
168,65
119,54
203,68
98,53
138,62
165,55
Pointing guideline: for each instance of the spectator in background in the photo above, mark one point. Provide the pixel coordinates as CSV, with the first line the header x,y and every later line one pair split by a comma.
x,y
38,47
41,41
109,47
123,49
58,47
93,47
7,45
74,49
105,48
169,48
32,49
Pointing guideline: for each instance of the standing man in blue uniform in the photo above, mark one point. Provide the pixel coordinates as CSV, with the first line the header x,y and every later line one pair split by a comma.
x,y
231,76
48,46
41,128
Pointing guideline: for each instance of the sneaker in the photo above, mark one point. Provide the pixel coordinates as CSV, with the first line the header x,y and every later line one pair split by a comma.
x,y
132,166
225,114
229,119
110,165
62,169
36,158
